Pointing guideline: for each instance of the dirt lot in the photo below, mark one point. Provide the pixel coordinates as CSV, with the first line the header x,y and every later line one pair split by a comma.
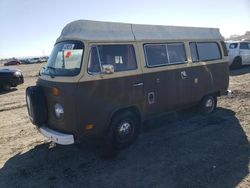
x,y
181,149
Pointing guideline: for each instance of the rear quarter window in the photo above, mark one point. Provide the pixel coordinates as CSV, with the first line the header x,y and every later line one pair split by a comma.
x,y
244,46
205,51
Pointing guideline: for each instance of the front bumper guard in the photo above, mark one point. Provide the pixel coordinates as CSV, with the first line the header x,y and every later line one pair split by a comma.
x,y
57,137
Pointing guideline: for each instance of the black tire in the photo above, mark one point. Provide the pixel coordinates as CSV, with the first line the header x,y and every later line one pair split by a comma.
x,y
123,131
237,63
36,105
208,104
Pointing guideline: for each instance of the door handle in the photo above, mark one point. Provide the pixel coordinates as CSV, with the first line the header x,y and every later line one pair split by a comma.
x,y
184,74
138,84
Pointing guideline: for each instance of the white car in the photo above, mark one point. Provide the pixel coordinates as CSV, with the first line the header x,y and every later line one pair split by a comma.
x,y
34,60
238,53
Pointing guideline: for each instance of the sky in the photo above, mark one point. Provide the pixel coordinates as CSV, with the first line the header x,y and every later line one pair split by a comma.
x,y
31,27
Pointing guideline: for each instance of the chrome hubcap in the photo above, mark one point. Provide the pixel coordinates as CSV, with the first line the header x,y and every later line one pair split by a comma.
x,y
124,128
209,103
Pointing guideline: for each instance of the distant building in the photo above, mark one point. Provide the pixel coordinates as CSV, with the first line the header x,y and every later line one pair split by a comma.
x,y
246,36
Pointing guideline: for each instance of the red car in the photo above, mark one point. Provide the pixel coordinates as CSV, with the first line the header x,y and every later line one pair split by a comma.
x,y
13,62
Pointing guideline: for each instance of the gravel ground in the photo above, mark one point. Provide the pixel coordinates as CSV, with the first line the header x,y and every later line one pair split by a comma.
x,y
181,149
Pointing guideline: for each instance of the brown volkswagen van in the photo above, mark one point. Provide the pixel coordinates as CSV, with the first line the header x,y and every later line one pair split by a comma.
x,y
104,79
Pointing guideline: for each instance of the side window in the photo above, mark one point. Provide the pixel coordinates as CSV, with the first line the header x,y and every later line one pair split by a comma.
x,y
122,57
165,54
244,46
205,51
233,45
208,51
176,53
156,55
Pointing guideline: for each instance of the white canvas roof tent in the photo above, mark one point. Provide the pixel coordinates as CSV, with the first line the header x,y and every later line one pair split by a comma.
x,y
109,31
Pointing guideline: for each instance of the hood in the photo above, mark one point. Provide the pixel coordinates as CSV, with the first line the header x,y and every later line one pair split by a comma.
x,y
3,70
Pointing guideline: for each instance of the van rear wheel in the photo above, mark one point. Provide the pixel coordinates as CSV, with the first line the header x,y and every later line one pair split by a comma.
x,y
208,104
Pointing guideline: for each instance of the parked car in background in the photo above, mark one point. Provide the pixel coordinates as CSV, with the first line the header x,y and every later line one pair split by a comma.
x,y
44,59
24,61
34,60
12,62
239,53
10,77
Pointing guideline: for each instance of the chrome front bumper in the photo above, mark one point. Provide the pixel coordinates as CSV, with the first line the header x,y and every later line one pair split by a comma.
x,y
57,137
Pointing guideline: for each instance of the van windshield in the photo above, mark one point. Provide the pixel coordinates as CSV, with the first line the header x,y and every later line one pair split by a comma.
x,y
65,59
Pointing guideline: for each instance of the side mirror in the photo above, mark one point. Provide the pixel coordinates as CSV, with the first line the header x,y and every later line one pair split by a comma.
x,y
108,69
39,73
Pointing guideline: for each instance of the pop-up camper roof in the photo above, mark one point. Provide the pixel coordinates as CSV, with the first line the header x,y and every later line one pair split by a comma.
x,y
109,31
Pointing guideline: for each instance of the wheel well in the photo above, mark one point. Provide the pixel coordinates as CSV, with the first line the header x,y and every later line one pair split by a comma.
x,y
237,58
237,61
216,94
132,109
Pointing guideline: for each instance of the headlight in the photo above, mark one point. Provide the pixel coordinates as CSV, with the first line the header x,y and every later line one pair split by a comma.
x,y
17,73
59,111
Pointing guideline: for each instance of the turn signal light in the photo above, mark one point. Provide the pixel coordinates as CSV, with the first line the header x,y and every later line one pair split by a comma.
x,y
55,91
89,127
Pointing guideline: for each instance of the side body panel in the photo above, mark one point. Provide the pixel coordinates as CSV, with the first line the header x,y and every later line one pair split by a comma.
x,y
99,96
174,92
171,91
182,85
208,78
98,100
232,54
245,55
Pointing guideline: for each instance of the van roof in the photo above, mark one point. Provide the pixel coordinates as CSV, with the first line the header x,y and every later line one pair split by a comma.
x,y
111,31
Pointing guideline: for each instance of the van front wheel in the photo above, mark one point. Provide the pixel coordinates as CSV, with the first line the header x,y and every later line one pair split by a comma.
x,y
208,104
124,129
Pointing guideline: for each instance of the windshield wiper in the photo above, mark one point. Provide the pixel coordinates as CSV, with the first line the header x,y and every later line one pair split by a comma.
x,y
49,68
